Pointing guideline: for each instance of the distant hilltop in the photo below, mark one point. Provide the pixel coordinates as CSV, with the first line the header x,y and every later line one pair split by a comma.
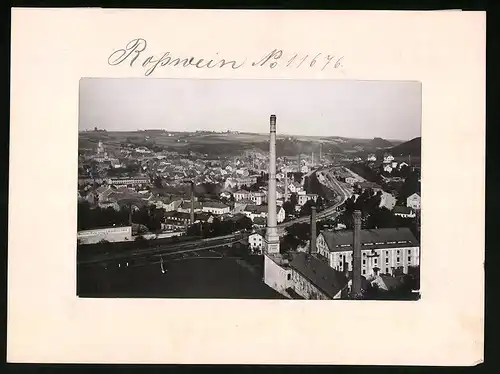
x,y
409,148
380,143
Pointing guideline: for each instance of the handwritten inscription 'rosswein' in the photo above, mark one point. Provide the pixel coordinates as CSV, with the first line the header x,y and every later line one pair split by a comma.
x,y
134,53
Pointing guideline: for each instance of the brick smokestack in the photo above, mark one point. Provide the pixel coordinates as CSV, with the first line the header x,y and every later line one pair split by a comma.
x,y
312,248
191,211
356,263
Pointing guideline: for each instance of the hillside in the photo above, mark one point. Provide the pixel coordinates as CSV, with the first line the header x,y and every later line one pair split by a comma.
x,y
380,143
409,148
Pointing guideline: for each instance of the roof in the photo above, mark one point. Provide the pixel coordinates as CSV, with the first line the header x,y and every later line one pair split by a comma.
x,y
259,221
187,205
339,241
390,281
214,204
242,192
324,277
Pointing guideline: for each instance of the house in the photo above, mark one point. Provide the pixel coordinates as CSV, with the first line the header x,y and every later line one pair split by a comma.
x,y
242,195
303,198
313,279
167,203
388,168
294,187
404,211
394,164
256,242
371,157
129,181
230,183
259,222
185,207
215,207
239,206
388,158
387,249
103,192
225,195
257,198
252,211
387,200
304,169
413,201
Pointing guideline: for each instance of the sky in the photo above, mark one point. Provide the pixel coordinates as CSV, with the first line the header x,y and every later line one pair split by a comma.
x,y
347,108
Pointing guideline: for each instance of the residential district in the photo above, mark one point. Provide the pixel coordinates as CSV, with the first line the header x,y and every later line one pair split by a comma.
x,y
310,226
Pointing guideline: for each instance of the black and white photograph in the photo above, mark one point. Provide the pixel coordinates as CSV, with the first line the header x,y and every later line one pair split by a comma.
x,y
249,189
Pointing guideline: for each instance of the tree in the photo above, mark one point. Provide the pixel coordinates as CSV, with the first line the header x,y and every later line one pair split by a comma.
x,y
289,208
158,182
305,210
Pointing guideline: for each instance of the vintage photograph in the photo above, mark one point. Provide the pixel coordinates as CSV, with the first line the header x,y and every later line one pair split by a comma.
x,y
249,189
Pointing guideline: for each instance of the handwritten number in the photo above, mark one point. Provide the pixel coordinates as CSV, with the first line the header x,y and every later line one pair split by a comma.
x,y
291,60
306,56
339,63
313,62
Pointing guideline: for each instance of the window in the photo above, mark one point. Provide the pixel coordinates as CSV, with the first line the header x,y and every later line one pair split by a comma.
x,y
289,276
387,253
387,270
397,260
386,260
398,251
375,261
409,252
364,262
364,271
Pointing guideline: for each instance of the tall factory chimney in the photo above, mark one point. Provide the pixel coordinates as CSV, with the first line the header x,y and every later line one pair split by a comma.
x,y
272,240
312,247
312,158
300,166
191,211
356,263
285,198
130,215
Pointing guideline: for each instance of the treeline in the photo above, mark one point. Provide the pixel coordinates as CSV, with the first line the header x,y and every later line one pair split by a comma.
x,y
374,216
219,228
93,218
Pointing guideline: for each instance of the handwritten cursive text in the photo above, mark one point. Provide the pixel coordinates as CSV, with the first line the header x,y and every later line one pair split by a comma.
x,y
134,53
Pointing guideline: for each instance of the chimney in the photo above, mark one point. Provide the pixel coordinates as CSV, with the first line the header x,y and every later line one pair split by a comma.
x,y
272,238
312,158
286,186
312,247
356,263
191,215
300,166
130,215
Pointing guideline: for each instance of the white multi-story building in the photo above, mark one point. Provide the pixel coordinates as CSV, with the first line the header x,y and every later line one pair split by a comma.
x,y
304,198
109,234
383,249
256,242
215,207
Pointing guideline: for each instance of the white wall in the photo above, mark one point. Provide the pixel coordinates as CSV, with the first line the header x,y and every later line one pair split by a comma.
x,y
112,234
276,276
